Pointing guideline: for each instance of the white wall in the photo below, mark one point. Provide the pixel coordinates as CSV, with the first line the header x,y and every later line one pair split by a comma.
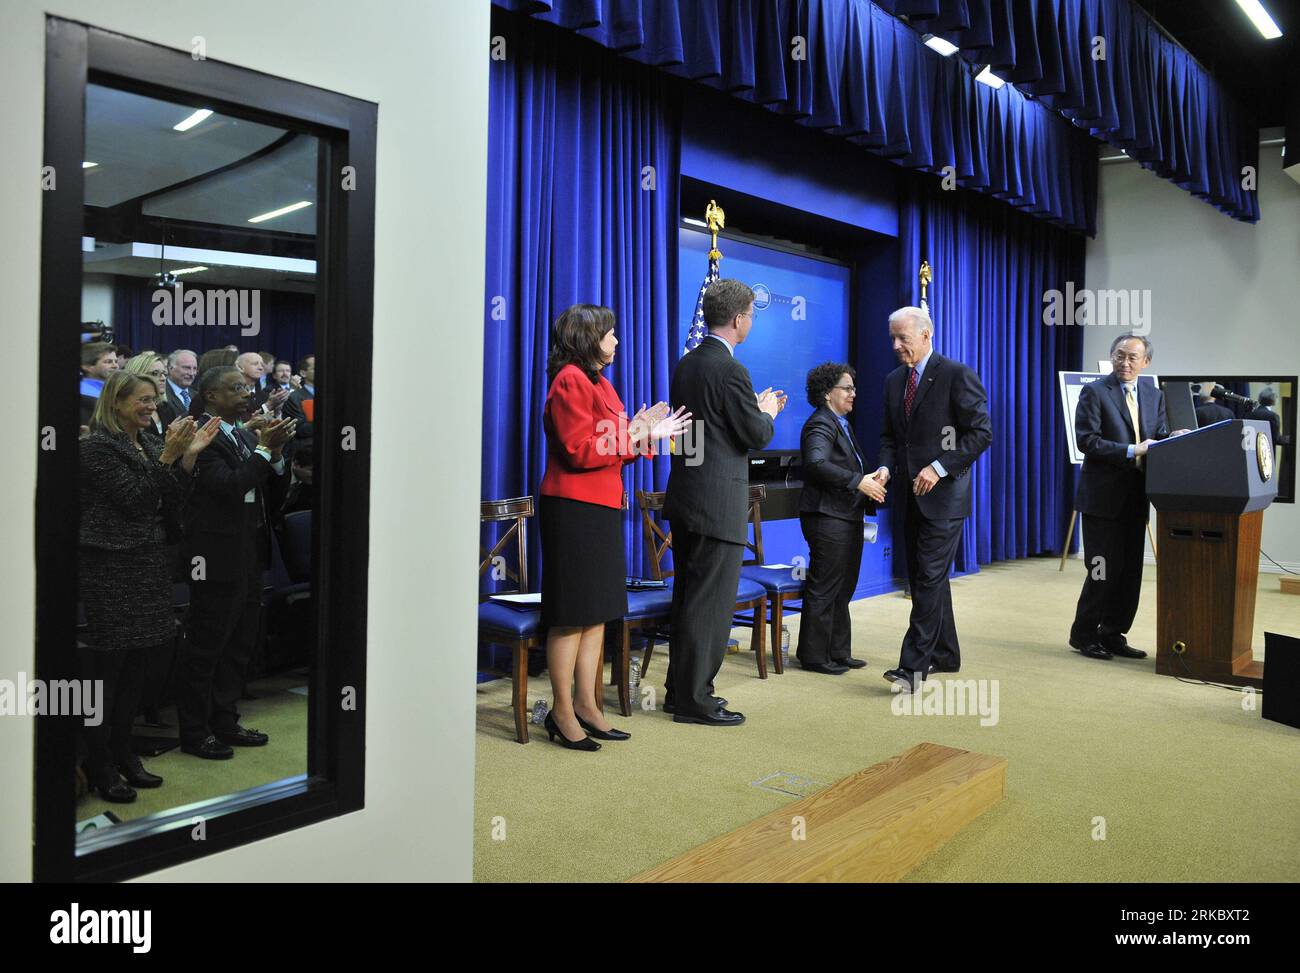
x,y
1223,293
425,63
97,298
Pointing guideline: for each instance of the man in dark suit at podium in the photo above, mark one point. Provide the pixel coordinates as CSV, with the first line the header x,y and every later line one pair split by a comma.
x,y
1117,418
936,425
707,502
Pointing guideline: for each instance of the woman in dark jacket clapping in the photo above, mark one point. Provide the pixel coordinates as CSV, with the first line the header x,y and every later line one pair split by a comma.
x,y
132,489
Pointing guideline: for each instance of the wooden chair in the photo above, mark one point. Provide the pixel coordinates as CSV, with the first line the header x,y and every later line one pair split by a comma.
x,y
501,624
750,595
780,584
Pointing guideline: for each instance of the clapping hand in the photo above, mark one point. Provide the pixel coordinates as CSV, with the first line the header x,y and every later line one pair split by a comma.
x,y
276,399
671,425
179,435
771,402
641,424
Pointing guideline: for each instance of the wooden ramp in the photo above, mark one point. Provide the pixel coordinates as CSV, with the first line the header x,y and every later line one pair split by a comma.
x,y
875,826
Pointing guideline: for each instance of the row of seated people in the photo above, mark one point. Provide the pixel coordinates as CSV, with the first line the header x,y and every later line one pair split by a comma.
x,y
197,494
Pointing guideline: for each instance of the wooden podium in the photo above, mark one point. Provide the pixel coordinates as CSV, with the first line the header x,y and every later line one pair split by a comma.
x,y
1210,488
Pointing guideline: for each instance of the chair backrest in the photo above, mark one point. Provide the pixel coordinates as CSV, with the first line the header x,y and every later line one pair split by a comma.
x,y
757,494
497,511
657,542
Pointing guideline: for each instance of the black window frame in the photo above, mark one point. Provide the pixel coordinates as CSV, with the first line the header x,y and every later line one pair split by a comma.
x,y
78,54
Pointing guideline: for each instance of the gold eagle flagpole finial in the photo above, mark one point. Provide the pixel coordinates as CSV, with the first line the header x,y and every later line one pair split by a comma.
x,y
717,220
925,276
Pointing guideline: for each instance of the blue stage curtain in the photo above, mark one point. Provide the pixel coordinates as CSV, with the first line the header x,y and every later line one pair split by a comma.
x,y
991,270
577,138
1146,96
867,77
286,322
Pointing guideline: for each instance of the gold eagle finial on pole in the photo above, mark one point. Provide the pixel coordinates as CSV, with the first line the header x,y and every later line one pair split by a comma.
x,y
717,220
925,276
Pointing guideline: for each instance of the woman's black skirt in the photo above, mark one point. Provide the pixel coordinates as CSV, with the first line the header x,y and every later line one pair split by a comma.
x,y
127,596
584,567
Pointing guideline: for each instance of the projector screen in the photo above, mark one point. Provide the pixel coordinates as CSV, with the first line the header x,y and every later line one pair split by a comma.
x,y
801,316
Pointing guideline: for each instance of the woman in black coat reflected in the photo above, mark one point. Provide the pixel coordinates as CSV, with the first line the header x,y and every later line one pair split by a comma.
x,y
832,507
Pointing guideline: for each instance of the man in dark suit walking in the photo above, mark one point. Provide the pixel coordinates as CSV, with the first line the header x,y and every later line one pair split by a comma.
x,y
832,504
936,425
708,501
238,483
1116,419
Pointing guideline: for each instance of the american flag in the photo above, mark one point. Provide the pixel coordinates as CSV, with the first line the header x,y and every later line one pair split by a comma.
x,y
699,330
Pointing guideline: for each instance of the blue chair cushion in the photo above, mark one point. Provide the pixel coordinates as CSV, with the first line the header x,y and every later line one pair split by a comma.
x,y
650,602
772,579
495,617
749,590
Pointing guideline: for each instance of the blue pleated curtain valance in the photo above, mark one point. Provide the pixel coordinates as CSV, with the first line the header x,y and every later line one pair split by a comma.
x,y
867,77
1147,96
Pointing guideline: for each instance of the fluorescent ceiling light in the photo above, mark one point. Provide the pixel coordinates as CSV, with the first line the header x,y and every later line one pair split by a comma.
x,y
693,221
183,270
946,48
196,256
989,78
1260,18
193,120
279,212
89,165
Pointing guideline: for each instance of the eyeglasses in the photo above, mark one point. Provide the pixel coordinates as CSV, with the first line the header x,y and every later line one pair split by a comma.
x,y
156,374
240,388
1119,356
845,388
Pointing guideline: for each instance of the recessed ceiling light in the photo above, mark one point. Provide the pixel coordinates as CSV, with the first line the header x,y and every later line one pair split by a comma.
x,y
193,120
89,165
279,212
989,78
1260,18
946,48
183,270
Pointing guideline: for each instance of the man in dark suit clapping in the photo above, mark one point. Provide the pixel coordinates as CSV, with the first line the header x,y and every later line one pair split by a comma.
x,y
708,501
1116,419
239,482
936,425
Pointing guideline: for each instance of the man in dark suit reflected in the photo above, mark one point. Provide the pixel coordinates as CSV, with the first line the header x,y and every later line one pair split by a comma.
x,y
936,425
1116,419
708,501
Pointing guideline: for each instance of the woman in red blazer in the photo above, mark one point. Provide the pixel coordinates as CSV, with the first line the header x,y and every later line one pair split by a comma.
x,y
589,439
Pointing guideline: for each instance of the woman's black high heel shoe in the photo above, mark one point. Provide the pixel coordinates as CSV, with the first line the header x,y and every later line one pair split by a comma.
x,y
610,734
552,730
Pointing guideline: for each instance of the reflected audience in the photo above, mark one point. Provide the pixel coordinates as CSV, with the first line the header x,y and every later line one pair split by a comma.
x,y
98,361
150,365
182,370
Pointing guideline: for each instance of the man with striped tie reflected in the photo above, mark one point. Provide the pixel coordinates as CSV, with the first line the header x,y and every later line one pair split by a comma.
x,y
936,425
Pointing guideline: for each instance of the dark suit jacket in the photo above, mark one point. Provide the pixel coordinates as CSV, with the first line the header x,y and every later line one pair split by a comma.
x,y
709,495
1274,420
220,525
949,423
1111,485
831,472
293,409
1208,412
171,406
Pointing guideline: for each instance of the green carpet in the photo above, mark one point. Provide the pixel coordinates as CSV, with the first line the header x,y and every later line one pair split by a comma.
x,y
1191,786
280,714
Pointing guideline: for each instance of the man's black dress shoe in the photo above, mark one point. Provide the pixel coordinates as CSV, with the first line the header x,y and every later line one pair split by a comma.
x,y
240,737
209,749
670,707
719,717
851,662
826,669
905,679
1094,650
133,770
610,734
1124,649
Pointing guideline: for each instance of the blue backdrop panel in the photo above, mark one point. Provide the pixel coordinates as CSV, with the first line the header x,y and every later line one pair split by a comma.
x,y
781,348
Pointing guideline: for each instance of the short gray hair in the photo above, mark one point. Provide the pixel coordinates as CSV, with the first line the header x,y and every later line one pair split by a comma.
x,y
1147,346
175,356
918,315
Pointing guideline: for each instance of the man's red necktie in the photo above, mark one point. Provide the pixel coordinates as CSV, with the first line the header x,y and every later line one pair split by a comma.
x,y
910,395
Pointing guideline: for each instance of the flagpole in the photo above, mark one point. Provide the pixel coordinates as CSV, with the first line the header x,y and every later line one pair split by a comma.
x,y
925,276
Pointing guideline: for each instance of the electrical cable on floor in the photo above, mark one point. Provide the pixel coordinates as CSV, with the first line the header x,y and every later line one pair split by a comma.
x,y
1193,681
1287,570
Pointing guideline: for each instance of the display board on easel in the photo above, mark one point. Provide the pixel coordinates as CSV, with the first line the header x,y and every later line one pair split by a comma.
x,y
1071,385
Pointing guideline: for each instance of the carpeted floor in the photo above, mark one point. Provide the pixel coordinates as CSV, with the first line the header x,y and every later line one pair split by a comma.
x,y
1191,786
277,712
